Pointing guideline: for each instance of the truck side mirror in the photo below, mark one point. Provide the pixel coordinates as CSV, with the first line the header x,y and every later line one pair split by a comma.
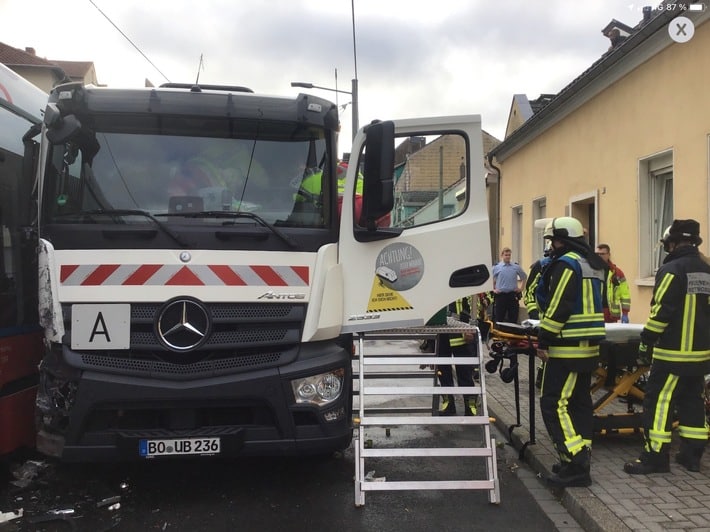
x,y
60,129
378,174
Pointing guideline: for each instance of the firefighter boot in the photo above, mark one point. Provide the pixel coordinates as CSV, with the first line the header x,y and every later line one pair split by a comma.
x,y
565,458
471,405
690,455
556,467
447,406
573,473
649,462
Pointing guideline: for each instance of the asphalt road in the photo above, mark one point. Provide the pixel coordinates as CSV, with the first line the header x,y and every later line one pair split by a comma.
x,y
293,494
286,494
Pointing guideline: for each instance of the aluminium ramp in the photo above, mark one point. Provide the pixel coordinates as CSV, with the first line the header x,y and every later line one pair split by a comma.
x,y
371,418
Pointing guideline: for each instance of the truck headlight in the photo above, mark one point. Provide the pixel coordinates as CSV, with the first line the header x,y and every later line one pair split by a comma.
x,y
319,389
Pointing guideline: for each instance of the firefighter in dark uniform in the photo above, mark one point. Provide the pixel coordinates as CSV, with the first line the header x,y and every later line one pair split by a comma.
x,y
457,345
534,276
676,342
571,327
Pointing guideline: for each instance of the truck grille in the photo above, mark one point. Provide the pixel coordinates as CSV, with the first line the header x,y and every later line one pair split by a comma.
x,y
207,368
243,336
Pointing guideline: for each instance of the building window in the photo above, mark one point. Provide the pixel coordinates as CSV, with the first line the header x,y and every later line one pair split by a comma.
x,y
655,209
539,212
517,225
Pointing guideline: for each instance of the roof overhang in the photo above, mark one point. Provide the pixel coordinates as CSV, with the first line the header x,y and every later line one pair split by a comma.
x,y
641,46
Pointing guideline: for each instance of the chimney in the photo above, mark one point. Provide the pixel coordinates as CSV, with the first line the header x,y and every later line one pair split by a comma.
x,y
647,13
30,50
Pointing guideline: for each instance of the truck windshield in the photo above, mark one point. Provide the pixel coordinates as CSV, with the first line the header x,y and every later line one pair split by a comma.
x,y
279,178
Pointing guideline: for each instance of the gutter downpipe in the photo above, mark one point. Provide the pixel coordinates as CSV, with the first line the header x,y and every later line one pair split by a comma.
x,y
495,232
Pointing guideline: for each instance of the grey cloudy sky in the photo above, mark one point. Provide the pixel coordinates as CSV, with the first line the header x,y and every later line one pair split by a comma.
x,y
414,57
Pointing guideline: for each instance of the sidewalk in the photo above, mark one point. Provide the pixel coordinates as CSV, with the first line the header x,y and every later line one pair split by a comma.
x,y
616,501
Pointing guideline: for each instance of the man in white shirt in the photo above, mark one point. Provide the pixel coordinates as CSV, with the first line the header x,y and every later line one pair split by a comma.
x,y
508,279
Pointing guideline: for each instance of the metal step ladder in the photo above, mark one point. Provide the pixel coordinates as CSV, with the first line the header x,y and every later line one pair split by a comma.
x,y
370,417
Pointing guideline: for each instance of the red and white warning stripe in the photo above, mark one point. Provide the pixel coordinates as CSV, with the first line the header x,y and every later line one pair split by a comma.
x,y
182,275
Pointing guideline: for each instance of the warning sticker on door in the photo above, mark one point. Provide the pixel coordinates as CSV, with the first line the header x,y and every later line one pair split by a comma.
x,y
383,299
398,267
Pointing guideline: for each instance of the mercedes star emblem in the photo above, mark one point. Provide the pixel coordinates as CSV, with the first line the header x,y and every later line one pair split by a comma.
x,y
183,324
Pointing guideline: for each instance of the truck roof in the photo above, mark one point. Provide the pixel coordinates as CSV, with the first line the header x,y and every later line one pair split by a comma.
x,y
195,100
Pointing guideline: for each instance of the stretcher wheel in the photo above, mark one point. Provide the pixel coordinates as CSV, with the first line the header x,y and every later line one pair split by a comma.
x,y
492,365
508,374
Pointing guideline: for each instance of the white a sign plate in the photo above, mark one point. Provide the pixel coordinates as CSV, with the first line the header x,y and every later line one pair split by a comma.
x,y
101,326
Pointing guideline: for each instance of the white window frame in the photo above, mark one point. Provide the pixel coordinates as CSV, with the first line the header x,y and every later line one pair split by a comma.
x,y
579,208
517,232
539,211
655,177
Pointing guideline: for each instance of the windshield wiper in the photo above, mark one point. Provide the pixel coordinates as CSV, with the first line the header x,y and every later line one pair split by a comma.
x,y
243,214
136,212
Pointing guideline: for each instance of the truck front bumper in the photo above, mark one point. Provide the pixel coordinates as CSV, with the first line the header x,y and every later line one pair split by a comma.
x,y
105,415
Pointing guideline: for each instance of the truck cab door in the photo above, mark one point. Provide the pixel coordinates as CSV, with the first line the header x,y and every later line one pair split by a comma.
x,y
421,238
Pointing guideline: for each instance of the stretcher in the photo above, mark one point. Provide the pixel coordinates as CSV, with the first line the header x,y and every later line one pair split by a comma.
x,y
617,378
507,341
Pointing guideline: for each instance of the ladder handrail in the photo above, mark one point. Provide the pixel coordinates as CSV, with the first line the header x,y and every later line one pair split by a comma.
x,y
368,418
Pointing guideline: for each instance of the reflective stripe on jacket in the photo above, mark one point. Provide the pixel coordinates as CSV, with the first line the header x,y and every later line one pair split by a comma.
x,y
617,290
462,308
572,323
679,322
534,277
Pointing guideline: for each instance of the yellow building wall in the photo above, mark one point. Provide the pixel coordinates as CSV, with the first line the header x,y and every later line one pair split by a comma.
x,y
658,106
39,77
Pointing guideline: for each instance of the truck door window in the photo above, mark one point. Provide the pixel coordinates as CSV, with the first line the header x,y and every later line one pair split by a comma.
x,y
431,178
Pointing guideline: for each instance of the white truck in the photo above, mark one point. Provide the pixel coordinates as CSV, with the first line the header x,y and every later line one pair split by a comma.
x,y
195,301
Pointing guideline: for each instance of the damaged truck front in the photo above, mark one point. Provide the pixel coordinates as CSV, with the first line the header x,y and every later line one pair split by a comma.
x,y
198,292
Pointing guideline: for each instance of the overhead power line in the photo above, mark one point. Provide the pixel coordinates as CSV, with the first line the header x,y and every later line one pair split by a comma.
x,y
129,40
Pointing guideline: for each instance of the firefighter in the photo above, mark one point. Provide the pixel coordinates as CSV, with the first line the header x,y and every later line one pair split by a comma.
x,y
462,345
676,343
534,276
484,303
309,192
617,303
310,186
572,325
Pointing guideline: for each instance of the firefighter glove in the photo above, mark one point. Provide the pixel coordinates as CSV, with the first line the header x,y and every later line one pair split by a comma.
x,y
645,354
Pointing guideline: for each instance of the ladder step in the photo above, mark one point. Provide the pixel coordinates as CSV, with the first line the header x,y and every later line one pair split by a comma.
x,y
399,410
412,376
425,375
420,390
374,421
402,336
429,485
428,360
432,451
